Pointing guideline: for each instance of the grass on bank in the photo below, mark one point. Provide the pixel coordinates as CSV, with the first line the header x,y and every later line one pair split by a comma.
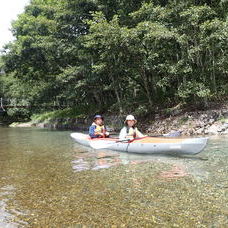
x,y
58,114
223,120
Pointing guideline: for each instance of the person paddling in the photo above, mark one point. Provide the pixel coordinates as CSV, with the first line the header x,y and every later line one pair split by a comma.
x,y
97,129
130,131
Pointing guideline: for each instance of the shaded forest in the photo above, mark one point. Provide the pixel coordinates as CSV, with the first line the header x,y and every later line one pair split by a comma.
x,y
117,56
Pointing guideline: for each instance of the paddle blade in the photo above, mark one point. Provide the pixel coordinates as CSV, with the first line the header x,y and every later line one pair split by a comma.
x,y
173,134
100,144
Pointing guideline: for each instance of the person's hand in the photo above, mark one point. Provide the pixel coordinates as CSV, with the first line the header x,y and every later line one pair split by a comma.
x,y
129,137
107,133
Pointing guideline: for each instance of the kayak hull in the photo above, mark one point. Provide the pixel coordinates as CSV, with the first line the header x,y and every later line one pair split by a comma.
x,y
150,145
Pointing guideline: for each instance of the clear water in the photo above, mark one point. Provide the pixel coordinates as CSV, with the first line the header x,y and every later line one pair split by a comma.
x,y
47,180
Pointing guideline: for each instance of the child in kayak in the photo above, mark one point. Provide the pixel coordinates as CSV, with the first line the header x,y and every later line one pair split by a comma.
x,y
130,131
97,129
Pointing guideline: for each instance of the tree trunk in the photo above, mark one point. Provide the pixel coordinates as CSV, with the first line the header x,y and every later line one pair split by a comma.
x,y
147,88
116,88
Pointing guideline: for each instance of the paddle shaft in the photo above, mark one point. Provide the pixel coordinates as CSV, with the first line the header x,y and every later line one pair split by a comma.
x,y
173,134
103,145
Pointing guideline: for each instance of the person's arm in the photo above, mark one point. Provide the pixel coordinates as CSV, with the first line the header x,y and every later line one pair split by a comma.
x,y
123,134
92,131
139,134
106,132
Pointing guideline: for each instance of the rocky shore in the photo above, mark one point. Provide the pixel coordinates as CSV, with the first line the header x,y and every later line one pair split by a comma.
x,y
210,122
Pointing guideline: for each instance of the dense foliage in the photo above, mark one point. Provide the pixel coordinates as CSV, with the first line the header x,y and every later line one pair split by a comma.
x,y
120,56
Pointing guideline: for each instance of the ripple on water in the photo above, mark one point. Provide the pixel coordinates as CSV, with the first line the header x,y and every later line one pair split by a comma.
x,y
6,217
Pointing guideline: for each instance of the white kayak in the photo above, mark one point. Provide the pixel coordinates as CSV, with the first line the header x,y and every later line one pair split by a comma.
x,y
145,145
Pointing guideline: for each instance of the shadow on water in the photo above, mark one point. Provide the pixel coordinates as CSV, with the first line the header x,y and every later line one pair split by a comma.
x,y
190,157
173,155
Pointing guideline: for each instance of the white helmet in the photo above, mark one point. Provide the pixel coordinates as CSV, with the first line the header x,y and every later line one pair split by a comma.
x,y
130,117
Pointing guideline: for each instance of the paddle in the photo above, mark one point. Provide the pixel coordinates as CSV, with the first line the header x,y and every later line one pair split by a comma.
x,y
171,134
101,144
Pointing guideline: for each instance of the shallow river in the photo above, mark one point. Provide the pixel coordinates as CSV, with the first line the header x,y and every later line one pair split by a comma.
x,y
47,180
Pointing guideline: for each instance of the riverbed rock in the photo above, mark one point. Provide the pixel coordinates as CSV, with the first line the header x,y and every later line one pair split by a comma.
x,y
199,123
15,124
211,121
200,131
213,130
224,127
225,132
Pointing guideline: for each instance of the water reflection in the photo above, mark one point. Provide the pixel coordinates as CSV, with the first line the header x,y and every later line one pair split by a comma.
x,y
89,159
174,172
